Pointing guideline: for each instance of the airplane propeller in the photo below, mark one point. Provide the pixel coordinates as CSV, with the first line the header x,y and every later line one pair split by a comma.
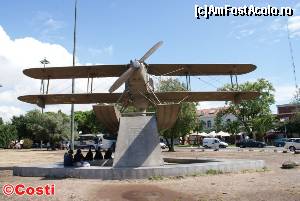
x,y
122,79
150,51
133,66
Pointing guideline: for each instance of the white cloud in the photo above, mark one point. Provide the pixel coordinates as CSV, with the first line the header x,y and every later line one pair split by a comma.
x,y
18,54
246,29
297,8
277,24
6,112
294,26
105,51
53,24
284,94
280,24
47,26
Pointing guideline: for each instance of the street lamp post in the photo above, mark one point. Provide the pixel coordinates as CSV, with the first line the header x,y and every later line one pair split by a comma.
x,y
42,89
44,62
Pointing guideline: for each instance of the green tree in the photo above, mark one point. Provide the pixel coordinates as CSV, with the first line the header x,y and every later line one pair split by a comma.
x,y
87,122
58,126
20,122
48,126
199,125
293,125
187,118
232,127
39,125
8,133
255,115
219,122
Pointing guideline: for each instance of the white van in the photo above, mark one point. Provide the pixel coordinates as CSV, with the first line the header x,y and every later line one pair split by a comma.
x,y
211,143
86,141
107,141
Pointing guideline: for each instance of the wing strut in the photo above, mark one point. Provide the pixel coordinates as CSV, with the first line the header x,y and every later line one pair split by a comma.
x,y
236,81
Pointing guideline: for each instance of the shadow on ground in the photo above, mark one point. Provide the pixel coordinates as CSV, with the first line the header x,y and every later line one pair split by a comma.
x,y
138,192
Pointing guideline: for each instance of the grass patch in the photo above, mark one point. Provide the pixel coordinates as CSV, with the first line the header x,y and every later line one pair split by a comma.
x,y
177,177
208,172
213,172
156,178
264,169
197,174
232,145
184,145
247,171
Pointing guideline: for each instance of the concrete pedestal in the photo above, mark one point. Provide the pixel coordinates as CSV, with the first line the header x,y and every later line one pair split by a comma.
x,y
138,143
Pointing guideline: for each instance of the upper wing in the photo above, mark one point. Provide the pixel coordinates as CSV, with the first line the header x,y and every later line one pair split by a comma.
x,y
76,72
178,96
42,100
199,69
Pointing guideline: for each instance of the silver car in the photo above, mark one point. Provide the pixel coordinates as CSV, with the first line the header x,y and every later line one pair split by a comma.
x,y
292,144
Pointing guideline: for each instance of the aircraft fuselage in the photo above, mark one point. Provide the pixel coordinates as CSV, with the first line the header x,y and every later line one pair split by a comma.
x,y
137,87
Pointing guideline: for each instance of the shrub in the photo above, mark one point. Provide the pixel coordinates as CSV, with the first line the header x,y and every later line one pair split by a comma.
x,y
8,133
27,143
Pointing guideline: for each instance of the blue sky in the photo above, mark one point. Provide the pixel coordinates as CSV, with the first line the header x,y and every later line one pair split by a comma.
x,y
115,31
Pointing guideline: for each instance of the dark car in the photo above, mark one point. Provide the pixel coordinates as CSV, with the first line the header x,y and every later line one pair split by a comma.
x,y
252,143
279,142
38,145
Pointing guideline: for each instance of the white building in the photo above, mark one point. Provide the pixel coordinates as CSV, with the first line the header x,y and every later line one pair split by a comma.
x,y
208,116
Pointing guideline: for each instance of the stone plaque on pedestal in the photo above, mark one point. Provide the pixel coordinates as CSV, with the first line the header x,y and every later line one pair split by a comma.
x,y
138,143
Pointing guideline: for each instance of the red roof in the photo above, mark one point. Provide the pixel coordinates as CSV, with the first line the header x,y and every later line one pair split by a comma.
x,y
210,111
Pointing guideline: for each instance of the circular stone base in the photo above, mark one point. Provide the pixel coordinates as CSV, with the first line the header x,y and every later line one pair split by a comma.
x,y
173,167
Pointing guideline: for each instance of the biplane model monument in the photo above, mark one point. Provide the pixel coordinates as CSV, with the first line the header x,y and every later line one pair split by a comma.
x,y
138,140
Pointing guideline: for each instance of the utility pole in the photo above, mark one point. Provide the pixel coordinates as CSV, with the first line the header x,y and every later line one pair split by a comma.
x,y
292,59
73,80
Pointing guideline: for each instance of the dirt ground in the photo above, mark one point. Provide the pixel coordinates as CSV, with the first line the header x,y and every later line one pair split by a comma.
x,y
273,183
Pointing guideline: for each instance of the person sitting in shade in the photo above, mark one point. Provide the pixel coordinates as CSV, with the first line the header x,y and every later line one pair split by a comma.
x,y
89,155
78,157
108,154
98,155
68,158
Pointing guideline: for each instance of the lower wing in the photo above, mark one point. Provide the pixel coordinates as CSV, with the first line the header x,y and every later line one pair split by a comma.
x,y
176,97
86,98
185,96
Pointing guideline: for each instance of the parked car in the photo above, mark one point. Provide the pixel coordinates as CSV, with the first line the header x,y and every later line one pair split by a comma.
x,y
38,145
223,144
211,143
252,143
163,145
292,144
279,142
